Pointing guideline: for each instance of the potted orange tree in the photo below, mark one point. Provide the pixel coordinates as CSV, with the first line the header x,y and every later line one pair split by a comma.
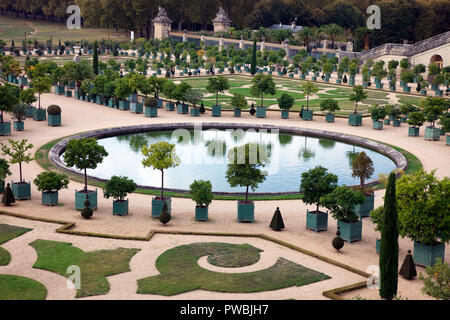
x,y
362,168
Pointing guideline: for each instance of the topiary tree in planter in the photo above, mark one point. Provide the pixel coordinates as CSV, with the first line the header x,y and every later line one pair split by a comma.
x,y
84,154
122,92
415,121
194,96
4,172
40,86
315,184
331,106
201,194
49,183
262,84
433,108
358,95
118,188
285,102
376,216
168,89
378,113
423,206
362,168
160,156
19,112
308,88
217,85
17,151
341,203
178,93
27,96
243,170
8,98
239,102
445,124
151,107
54,115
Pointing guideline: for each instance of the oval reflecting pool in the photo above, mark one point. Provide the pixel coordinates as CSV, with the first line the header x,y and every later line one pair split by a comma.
x,y
204,156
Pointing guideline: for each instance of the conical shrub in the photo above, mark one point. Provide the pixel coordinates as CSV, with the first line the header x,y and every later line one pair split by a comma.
x,y
8,196
408,269
277,221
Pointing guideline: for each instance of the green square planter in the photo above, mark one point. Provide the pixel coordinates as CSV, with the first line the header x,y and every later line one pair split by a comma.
x,y
363,210
183,109
413,131
403,119
447,140
377,125
39,115
338,81
194,112
377,245
170,106
201,214
21,190
379,86
136,107
307,115
50,198
329,117
54,120
392,88
407,89
387,122
426,255
216,111
19,125
246,212
124,105
160,103
30,112
120,207
59,90
157,206
260,112
237,112
2,186
80,197
355,119
68,93
5,128
98,99
316,221
284,114
151,112
350,231
423,92
111,103
303,76
396,123
433,134
314,78
351,82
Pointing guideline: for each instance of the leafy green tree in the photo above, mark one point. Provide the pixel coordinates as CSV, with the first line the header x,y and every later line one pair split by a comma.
x,y
262,84
50,181
84,154
330,105
157,84
316,183
27,96
201,193
160,156
341,202
362,168
18,153
243,167
78,72
433,108
437,280
193,96
8,98
416,119
168,89
118,188
40,86
99,85
180,91
20,111
123,89
4,169
423,206
308,88
285,101
378,112
238,101
358,95
218,85
389,243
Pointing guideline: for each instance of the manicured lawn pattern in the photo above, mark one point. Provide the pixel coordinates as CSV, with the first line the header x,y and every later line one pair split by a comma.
x,y
21,288
181,273
95,266
7,233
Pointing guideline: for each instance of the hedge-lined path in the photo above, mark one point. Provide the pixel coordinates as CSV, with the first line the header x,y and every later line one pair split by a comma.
x,y
79,116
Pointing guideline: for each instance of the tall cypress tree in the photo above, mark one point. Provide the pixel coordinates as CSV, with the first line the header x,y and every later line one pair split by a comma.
x,y
95,59
253,62
389,243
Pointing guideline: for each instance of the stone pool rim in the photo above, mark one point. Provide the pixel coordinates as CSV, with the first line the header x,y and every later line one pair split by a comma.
x,y
58,149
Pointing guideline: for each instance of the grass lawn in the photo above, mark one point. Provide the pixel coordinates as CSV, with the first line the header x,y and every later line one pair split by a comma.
x,y
13,28
7,233
181,273
21,288
95,266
